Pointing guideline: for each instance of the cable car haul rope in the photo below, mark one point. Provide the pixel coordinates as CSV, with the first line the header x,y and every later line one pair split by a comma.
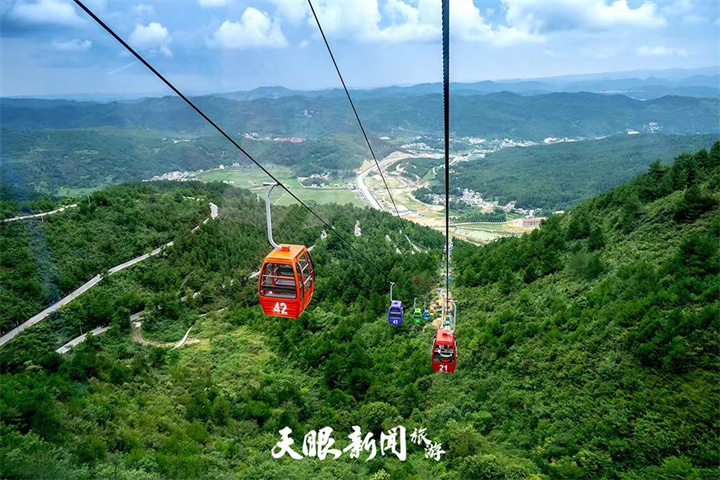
x,y
444,351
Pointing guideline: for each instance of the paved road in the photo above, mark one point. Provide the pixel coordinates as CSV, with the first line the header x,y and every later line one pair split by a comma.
x,y
56,306
87,286
139,259
38,215
68,346
384,163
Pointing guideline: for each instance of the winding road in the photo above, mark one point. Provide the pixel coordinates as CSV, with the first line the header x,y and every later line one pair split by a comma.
x,y
76,341
88,285
384,163
39,215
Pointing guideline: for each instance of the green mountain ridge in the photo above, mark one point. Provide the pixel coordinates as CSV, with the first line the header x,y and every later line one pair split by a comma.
x,y
495,115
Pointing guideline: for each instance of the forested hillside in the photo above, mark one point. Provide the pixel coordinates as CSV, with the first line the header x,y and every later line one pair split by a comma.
x,y
44,260
50,159
559,176
594,340
23,201
496,115
588,348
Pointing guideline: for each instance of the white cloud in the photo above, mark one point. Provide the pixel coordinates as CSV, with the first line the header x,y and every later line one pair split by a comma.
x,y
541,17
45,12
254,30
360,21
75,45
660,51
466,20
294,11
408,23
351,20
213,3
153,37
404,21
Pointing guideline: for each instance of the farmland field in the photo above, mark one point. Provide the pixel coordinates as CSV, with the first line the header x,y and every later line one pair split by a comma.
x,y
249,176
320,195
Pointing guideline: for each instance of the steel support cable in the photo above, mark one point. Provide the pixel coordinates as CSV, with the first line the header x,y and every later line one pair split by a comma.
x,y
216,126
446,118
352,104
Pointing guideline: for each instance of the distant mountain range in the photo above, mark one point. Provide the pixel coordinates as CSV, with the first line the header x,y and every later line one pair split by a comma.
x,y
494,115
639,88
639,84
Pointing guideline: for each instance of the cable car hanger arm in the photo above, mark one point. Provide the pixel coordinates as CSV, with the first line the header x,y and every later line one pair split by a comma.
x,y
269,216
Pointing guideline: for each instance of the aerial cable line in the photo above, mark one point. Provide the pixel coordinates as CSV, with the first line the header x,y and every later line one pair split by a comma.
x,y
216,126
446,118
347,92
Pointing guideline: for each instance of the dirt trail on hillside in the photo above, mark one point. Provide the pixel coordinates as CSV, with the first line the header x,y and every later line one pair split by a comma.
x,y
137,335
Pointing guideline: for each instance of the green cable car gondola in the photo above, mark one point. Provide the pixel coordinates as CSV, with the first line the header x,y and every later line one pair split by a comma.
x,y
417,315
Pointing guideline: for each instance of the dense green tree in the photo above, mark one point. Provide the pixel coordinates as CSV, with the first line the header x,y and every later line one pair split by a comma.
x,y
693,204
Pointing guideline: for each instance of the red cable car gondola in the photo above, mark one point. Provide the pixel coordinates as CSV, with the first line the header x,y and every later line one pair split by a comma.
x,y
287,281
287,278
444,351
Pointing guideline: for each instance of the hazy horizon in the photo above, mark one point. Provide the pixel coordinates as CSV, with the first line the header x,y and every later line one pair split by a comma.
x,y
643,74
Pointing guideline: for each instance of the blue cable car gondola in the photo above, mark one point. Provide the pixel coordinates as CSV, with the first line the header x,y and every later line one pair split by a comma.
x,y
426,315
395,314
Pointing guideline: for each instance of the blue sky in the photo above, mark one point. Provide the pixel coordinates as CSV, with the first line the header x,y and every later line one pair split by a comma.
x,y
50,47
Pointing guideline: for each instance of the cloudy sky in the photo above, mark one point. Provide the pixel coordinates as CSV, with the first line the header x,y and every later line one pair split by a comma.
x,y
50,47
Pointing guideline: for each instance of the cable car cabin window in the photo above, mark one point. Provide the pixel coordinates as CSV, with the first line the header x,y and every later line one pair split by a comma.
x,y
278,281
302,280
444,354
306,270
